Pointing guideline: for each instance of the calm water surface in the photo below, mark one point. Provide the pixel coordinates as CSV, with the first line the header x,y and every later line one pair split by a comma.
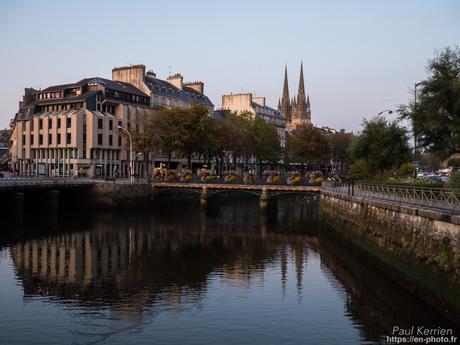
x,y
178,275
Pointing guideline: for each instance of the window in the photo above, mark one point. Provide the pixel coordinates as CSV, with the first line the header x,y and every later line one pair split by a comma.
x,y
59,139
31,139
110,124
50,139
58,123
69,122
50,123
110,139
23,140
119,141
84,138
40,139
40,124
69,138
99,139
99,123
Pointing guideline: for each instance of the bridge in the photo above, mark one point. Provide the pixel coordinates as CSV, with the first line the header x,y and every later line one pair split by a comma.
x,y
265,192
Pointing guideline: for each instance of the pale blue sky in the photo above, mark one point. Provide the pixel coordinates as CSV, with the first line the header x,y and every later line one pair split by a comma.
x,y
360,57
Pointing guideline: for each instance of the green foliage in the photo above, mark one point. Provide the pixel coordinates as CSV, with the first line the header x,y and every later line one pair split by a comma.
x,y
340,144
382,146
265,140
436,116
454,180
360,170
308,146
406,170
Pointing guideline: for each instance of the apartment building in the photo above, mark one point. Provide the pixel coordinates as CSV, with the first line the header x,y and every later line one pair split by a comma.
x,y
72,129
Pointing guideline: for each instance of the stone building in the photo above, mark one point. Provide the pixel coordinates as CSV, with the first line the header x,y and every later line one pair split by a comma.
x,y
296,111
241,102
71,130
169,93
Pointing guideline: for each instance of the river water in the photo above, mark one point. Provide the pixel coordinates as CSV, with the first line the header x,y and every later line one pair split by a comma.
x,y
179,275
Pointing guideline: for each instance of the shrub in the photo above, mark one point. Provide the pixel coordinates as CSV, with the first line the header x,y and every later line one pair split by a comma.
x,y
360,170
454,180
406,170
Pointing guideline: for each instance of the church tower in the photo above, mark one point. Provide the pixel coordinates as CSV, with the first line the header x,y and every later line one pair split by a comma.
x,y
296,111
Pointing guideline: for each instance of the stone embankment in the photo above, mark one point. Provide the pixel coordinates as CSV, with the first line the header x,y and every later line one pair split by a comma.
x,y
421,247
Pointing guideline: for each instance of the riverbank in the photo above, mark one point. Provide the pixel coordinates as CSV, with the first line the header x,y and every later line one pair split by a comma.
x,y
419,249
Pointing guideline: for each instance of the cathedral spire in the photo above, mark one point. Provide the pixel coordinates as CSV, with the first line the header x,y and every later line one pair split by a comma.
x,y
285,96
301,95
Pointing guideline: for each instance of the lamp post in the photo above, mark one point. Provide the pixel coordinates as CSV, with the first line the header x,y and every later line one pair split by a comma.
x,y
131,172
384,111
413,126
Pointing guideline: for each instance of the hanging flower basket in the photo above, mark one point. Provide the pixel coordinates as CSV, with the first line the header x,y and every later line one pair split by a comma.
x,y
230,177
294,178
205,176
171,176
272,176
186,176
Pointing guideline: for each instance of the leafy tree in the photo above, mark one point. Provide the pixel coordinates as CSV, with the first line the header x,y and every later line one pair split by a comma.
x,y
308,146
340,144
382,145
265,141
436,116
192,129
164,133
238,135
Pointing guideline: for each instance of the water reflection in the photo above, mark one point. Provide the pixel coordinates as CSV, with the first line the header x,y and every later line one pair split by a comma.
x,y
230,272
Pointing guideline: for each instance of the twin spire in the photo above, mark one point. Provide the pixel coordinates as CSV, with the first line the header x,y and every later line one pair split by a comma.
x,y
301,98
296,110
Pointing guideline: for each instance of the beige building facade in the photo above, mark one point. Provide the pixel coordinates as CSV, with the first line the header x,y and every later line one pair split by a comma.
x,y
72,130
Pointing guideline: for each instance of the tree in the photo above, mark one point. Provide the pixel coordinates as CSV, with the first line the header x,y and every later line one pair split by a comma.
x,y
192,127
165,136
436,116
381,146
265,141
340,143
307,146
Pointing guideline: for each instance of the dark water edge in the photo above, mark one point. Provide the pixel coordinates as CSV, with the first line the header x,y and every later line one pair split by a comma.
x,y
229,273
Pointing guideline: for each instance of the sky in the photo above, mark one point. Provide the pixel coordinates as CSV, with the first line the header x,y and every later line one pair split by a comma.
x,y
359,57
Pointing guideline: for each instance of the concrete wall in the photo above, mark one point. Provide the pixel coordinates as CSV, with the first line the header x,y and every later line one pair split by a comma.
x,y
420,248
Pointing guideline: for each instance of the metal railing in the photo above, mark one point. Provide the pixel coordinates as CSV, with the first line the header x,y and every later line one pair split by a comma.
x,y
435,198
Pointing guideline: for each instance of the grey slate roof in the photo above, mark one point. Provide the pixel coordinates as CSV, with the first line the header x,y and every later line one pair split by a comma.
x,y
164,88
111,84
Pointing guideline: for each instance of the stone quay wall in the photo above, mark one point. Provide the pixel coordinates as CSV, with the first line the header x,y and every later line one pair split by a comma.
x,y
417,248
121,195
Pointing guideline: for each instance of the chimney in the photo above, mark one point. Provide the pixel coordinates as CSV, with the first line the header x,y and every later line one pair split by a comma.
x,y
177,80
198,86
133,74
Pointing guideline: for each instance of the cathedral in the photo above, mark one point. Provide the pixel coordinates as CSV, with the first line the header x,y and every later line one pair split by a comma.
x,y
296,111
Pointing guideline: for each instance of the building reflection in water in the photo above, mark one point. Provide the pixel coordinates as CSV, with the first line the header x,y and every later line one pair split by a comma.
x,y
138,264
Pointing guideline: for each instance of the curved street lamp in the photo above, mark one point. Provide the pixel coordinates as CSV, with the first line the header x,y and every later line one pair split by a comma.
x,y
384,111
131,172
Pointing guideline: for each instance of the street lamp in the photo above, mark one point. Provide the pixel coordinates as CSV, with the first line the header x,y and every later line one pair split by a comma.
x,y
131,172
384,111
